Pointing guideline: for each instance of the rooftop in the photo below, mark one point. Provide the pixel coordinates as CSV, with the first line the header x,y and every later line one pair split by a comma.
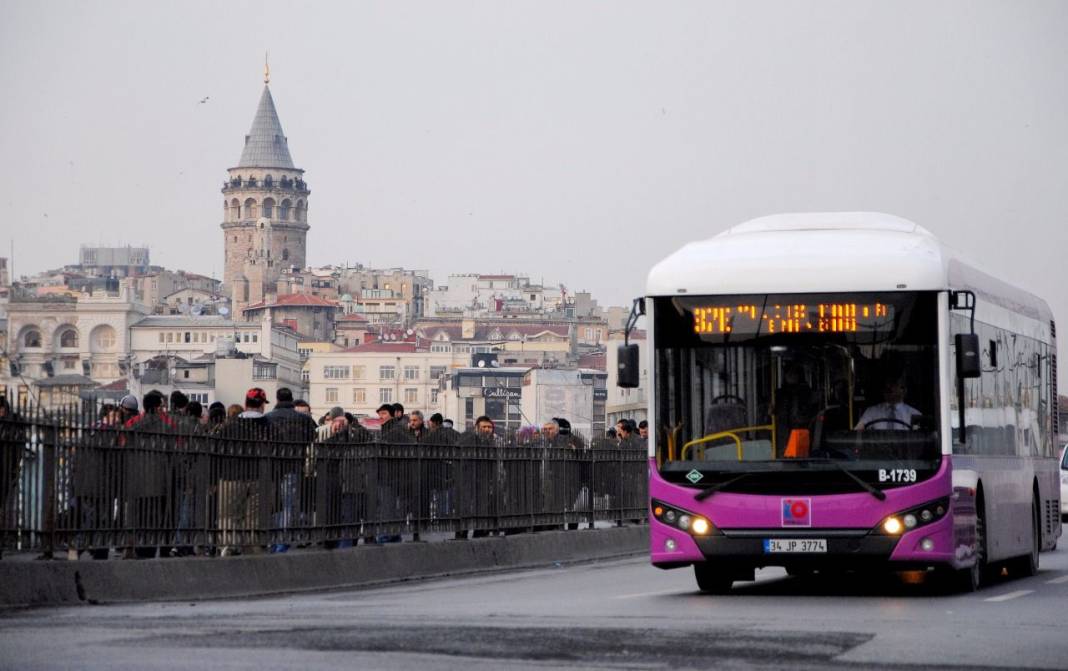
x,y
294,300
178,321
384,347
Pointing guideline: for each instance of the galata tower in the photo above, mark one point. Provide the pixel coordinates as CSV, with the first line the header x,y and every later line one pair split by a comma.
x,y
265,210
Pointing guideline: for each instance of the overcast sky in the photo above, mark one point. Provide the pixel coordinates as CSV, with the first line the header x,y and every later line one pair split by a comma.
x,y
578,142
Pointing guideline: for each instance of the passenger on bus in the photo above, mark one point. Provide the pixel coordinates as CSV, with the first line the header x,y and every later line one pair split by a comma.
x,y
893,413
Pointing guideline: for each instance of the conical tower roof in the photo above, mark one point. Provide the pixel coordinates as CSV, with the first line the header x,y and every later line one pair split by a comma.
x,y
266,145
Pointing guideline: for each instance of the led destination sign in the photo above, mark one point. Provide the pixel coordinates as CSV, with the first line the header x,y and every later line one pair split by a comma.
x,y
793,318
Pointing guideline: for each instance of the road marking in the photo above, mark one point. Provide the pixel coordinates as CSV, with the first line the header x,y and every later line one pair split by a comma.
x,y
1011,595
641,594
1058,581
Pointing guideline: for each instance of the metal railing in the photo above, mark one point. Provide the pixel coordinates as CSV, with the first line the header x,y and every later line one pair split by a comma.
x,y
70,482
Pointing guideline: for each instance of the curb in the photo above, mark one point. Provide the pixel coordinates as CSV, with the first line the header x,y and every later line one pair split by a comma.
x,y
57,583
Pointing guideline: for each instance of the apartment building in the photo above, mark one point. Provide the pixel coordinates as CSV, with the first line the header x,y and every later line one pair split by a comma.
x,y
360,379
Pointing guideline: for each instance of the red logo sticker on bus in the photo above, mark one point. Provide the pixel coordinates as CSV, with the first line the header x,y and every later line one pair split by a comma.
x,y
797,512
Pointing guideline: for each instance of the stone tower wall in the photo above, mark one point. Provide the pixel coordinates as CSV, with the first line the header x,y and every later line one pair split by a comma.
x,y
244,210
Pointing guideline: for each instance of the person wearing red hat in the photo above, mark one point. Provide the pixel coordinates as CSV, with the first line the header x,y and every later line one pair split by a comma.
x,y
255,403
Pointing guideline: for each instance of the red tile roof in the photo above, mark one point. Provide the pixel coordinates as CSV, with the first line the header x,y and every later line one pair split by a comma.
x,y
352,317
295,300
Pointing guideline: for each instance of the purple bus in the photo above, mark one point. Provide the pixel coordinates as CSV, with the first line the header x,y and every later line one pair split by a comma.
x,y
841,391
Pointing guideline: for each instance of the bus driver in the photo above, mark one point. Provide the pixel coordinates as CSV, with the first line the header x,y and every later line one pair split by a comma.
x,y
893,413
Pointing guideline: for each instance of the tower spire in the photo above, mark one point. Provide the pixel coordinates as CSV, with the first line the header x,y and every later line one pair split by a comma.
x,y
266,68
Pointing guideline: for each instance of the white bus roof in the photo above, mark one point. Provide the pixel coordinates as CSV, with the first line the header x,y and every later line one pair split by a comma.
x,y
820,252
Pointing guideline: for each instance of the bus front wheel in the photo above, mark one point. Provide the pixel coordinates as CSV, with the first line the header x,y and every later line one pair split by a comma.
x,y
713,579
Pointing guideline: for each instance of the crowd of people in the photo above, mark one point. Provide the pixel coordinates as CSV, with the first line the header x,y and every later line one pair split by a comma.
x,y
394,422
194,468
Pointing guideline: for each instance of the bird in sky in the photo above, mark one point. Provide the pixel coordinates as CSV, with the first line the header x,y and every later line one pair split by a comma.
x,y
204,100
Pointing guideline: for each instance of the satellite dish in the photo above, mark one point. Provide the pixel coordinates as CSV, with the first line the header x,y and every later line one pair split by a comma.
x,y
224,311
183,308
197,309
409,332
482,363
173,372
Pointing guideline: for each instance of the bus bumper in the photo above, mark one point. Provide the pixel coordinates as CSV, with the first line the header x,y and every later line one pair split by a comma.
x,y
928,545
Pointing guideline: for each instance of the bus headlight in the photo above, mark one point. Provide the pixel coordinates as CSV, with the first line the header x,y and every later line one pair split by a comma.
x,y
681,519
919,516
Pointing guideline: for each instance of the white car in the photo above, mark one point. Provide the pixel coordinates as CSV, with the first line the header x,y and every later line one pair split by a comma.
x,y
1064,481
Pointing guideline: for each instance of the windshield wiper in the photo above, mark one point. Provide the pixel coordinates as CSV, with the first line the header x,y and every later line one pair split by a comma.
x,y
867,486
709,491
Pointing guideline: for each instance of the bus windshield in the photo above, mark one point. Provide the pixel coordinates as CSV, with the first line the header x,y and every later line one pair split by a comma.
x,y
789,389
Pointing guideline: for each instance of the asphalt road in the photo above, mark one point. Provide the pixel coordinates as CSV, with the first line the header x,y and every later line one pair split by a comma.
x,y
623,614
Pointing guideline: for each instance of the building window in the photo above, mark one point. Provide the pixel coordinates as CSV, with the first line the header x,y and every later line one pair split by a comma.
x,y
385,395
336,372
433,397
264,372
188,337
196,337
68,364
411,395
386,372
31,339
359,396
436,372
411,372
162,337
170,337
69,338
305,376
358,372
331,394
255,337
185,374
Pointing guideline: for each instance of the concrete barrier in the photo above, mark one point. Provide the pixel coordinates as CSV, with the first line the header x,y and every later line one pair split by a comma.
x,y
42,583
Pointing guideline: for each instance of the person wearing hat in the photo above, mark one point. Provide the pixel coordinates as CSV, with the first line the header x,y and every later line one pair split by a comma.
x,y
255,404
334,421
128,406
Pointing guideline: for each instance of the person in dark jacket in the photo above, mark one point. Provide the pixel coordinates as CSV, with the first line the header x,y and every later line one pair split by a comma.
x,y
150,438
417,429
12,448
285,412
292,432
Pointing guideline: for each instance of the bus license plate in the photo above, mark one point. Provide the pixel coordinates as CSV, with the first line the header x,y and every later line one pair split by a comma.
x,y
795,545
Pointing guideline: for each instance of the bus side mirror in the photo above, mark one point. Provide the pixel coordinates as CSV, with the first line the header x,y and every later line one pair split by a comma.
x,y
968,364
628,366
